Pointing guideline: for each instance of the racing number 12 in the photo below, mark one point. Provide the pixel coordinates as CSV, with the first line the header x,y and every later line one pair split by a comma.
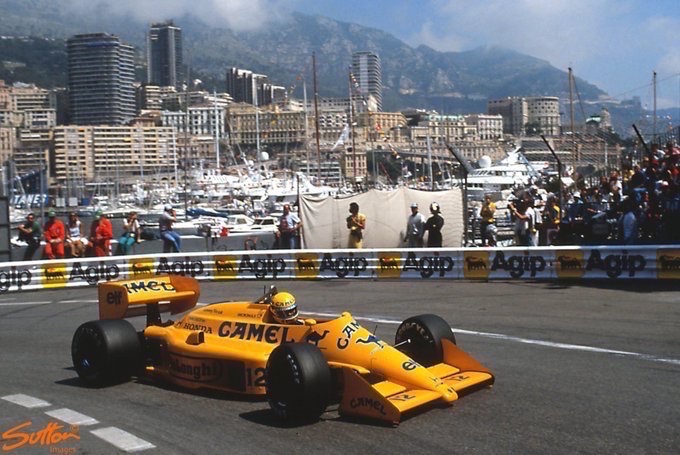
x,y
255,377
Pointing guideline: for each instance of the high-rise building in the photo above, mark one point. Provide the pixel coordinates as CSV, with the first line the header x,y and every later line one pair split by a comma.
x,y
244,86
101,76
164,55
367,73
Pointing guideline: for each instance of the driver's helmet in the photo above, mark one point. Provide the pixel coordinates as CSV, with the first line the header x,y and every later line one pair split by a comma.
x,y
283,307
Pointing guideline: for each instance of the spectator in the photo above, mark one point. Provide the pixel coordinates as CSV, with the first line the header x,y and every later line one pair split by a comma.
x,y
637,179
31,233
289,229
356,223
101,233
551,220
433,226
523,222
75,241
171,239
415,225
55,234
131,231
628,223
488,216
536,220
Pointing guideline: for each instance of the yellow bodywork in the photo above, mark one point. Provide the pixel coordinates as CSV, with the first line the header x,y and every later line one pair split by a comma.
x,y
225,346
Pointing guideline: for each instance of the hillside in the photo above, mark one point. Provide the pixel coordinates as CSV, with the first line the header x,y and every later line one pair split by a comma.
x,y
412,77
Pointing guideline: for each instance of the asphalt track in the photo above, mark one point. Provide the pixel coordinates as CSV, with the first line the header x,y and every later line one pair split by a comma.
x,y
583,367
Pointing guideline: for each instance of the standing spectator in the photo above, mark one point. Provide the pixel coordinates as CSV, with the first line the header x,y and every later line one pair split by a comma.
x,y
488,216
75,241
551,220
101,233
31,233
171,238
289,229
415,225
536,220
131,231
523,221
433,226
55,234
356,223
628,223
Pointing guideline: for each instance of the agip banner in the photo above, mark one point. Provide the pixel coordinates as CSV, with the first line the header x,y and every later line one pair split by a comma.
x,y
616,263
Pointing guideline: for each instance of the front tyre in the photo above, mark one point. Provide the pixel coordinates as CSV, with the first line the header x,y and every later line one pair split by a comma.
x,y
424,333
106,351
298,382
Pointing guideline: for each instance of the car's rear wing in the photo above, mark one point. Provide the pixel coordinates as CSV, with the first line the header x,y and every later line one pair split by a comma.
x,y
128,298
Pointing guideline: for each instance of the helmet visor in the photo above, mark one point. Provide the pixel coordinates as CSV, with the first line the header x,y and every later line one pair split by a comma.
x,y
286,314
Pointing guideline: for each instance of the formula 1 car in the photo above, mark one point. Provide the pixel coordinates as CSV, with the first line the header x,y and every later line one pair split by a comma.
x,y
235,347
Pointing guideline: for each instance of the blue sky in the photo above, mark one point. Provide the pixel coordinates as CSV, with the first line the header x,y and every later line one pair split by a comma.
x,y
615,44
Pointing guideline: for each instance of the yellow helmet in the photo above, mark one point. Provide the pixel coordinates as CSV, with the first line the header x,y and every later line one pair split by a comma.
x,y
283,307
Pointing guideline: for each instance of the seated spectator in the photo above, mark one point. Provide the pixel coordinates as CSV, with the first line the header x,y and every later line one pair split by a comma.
x,y
54,233
76,243
31,233
101,233
131,232
171,239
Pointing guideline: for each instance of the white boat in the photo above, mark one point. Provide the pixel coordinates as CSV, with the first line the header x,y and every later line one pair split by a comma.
x,y
513,171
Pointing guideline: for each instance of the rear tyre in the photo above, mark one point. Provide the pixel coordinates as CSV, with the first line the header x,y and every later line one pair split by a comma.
x,y
298,382
425,333
106,351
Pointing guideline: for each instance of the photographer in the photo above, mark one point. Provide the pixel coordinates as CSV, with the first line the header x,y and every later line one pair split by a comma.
x,y
131,231
289,229
356,223
171,239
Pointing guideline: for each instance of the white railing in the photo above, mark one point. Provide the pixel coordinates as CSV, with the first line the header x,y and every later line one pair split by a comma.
x,y
608,262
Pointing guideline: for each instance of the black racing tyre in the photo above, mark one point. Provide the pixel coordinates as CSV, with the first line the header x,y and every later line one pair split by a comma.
x,y
425,333
106,351
298,382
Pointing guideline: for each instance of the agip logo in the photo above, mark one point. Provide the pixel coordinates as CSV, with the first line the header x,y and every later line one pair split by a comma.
x,y
306,265
570,264
389,265
226,267
668,263
54,275
141,267
476,264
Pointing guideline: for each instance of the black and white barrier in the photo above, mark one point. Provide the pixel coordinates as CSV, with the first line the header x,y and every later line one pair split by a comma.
x,y
608,262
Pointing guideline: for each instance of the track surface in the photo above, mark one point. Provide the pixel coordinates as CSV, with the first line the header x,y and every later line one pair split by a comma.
x,y
591,367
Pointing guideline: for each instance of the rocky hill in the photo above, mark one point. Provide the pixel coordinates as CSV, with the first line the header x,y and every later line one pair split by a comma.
x,y
449,82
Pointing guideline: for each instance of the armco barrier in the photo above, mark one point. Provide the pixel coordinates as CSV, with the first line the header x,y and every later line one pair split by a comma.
x,y
613,262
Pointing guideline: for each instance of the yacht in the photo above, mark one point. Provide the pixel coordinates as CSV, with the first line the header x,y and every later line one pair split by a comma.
x,y
513,171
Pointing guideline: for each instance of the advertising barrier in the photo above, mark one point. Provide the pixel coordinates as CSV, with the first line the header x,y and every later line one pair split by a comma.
x,y
597,262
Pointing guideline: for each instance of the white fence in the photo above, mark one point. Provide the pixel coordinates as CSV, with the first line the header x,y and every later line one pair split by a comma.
x,y
616,263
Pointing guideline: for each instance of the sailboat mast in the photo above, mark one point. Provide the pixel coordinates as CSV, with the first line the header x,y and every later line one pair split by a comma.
x,y
217,134
429,159
257,127
351,127
316,119
571,117
654,117
304,95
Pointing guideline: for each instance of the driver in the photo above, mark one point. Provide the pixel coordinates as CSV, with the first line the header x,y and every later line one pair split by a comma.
x,y
284,309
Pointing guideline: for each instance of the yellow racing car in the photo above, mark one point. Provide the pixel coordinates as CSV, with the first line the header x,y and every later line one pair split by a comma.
x,y
301,367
